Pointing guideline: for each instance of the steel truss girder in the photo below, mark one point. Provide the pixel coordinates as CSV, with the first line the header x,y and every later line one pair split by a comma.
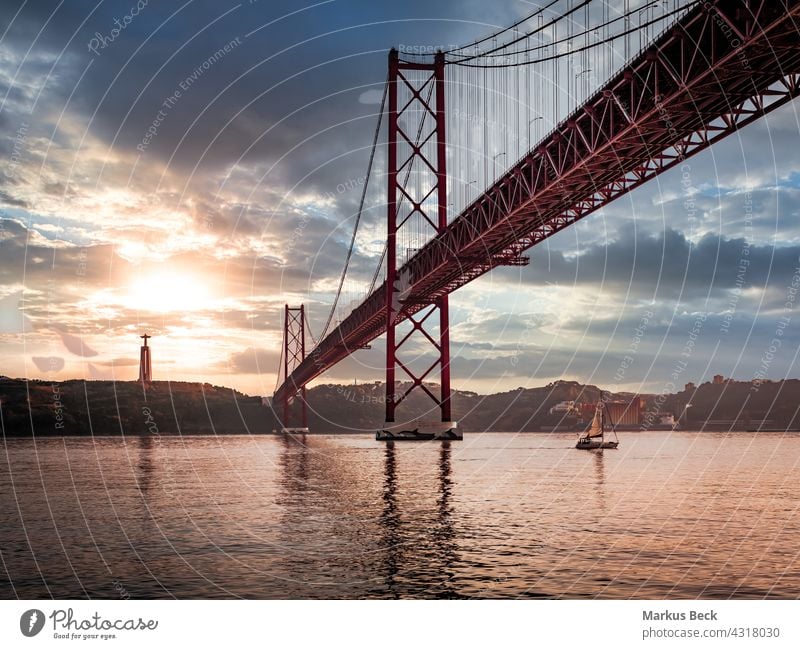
x,y
723,65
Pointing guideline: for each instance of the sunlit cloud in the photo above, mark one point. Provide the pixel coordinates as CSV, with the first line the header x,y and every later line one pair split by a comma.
x,y
203,237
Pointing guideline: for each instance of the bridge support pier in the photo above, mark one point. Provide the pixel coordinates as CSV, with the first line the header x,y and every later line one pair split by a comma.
x,y
294,352
417,212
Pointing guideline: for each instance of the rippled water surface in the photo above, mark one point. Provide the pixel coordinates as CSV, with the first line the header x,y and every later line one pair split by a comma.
x,y
498,515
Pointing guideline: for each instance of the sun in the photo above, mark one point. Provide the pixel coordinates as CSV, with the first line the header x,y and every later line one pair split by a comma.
x,y
168,291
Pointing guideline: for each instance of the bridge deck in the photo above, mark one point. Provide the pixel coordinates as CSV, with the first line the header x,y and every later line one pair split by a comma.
x,y
723,65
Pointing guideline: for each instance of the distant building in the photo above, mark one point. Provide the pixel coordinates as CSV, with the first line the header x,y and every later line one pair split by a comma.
x,y
689,387
625,413
622,413
718,379
587,410
659,421
666,420
564,408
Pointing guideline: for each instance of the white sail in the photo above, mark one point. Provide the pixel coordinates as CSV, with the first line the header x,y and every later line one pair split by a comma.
x,y
596,429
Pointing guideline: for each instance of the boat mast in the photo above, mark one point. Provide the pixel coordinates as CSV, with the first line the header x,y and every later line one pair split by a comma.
x,y
603,423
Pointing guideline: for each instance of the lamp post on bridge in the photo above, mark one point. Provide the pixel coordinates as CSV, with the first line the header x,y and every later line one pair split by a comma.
x,y
531,121
494,162
466,187
577,76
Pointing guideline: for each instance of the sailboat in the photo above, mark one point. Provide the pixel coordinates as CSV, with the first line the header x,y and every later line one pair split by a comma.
x,y
595,436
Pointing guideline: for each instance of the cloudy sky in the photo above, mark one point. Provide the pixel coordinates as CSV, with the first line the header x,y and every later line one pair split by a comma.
x,y
143,188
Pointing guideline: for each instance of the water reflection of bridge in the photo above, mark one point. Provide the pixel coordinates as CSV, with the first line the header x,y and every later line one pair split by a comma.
x,y
394,538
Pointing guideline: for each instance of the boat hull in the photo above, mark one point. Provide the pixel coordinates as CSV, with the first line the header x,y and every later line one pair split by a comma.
x,y
589,445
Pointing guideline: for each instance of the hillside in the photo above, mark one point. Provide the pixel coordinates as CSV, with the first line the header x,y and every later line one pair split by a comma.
x,y
739,405
120,407
730,405
114,408
361,407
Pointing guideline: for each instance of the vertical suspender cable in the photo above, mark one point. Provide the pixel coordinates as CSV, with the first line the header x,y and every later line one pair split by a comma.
x,y
359,213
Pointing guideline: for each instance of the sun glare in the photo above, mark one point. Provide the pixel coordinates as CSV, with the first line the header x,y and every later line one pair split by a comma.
x,y
168,292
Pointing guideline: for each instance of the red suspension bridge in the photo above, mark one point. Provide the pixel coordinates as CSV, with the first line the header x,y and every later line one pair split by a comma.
x,y
614,97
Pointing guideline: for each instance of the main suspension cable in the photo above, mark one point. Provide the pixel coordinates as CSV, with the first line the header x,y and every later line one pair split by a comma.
x,y
504,30
569,38
525,36
555,57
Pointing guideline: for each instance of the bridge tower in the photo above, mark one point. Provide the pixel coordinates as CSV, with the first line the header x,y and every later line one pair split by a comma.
x,y
416,151
294,352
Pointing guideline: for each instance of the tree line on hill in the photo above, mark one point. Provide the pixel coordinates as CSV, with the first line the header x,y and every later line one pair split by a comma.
x,y
124,408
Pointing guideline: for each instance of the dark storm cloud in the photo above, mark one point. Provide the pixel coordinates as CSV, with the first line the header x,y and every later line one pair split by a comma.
x,y
301,76
612,354
744,186
667,265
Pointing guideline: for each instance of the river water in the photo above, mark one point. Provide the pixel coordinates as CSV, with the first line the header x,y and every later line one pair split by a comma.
x,y
667,515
